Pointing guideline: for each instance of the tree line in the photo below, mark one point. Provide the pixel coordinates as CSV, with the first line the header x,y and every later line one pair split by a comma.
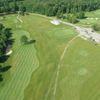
x,y
11,6
5,42
49,7
59,7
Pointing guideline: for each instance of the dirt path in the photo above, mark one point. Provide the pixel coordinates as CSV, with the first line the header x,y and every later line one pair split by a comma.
x,y
59,65
85,33
56,75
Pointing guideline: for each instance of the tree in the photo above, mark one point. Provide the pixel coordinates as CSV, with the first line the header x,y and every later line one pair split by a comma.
x,y
80,15
1,26
96,27
59,15
72,18
5,37
22,9
24,39
1,78
48,6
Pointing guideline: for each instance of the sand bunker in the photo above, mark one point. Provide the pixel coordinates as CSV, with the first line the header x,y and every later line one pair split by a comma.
x,y
55,22
9,53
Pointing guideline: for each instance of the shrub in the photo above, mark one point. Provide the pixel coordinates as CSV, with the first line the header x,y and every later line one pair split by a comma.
x,y
72,18
96,27
24,39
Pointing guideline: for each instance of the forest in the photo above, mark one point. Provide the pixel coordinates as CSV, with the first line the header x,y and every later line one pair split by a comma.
x,y
49,7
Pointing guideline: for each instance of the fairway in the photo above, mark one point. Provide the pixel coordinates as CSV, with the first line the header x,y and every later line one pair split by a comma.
x,y
20,73
59,66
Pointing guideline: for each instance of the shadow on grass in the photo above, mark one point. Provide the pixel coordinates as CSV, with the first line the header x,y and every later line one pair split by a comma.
x,y
1,78
31,41
3,59
4,69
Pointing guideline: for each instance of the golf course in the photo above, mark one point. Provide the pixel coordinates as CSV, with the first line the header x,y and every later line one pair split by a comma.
x,y
59,65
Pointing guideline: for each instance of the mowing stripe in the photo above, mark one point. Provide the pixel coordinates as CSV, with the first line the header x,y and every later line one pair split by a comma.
x,y
15,89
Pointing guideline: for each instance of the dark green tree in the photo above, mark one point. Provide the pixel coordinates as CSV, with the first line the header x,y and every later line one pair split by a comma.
x,y
24,39
80,15
96,27
72,18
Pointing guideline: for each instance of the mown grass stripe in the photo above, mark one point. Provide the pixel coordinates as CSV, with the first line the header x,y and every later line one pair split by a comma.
x,y
21,63
13,79
20,70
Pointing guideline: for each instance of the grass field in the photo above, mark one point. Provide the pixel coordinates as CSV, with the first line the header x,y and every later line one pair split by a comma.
x,y
20,73
24,60
93,17
59,66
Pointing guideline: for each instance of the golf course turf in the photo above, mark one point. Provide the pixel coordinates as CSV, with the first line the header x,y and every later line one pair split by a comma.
x,y
59,66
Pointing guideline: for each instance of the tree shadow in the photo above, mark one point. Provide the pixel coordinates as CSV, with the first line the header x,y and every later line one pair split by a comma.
x,y
31,41
1,78
3,59
85,17
10,41
4,69
8,32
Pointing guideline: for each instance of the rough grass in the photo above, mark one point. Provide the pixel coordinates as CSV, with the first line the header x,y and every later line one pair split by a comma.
x,y
88,22
80,72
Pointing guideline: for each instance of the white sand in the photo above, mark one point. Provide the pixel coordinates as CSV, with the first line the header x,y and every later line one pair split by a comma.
x,y
9,53
55,22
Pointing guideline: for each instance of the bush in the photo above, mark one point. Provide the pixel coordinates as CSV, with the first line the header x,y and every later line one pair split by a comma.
x,y
1,78
72,18
80,15
24,39
96,27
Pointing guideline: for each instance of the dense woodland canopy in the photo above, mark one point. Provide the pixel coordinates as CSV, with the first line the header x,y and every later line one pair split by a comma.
x,y
49,7
5,42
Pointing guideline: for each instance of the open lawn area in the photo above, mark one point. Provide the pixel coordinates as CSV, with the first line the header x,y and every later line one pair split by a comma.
x,y
93,17
58,66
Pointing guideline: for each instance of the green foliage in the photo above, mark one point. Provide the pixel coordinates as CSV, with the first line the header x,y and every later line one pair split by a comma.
x,y
5,35
22,9
80,15
1,79
11,6
52,7
96,27
49,7
24,39
5,39
72,18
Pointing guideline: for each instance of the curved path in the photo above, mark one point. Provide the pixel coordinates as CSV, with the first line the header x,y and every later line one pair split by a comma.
x,y
59,65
